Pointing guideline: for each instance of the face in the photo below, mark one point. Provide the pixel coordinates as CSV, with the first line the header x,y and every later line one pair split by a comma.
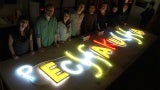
x,y
104,7
126,1
125,7
81,7
24,23
66,17
92,9
115,9
50,11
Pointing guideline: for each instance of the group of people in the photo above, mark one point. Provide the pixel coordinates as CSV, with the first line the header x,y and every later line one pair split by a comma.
x,y
49,31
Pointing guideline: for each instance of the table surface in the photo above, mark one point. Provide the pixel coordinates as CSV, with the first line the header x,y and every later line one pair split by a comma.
x,y
122,58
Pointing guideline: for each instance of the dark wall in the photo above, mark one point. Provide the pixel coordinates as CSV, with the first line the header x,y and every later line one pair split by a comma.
x,y
4,51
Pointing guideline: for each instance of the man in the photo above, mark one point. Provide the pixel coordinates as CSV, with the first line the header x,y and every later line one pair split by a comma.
x,y
46,29
76,19
146,15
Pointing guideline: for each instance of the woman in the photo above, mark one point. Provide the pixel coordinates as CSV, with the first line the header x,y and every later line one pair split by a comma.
x,y
64,27
20,39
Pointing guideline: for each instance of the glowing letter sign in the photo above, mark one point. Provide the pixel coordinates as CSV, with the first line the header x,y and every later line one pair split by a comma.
x,y
25,71
64,65
106,44
98,74
102,51
106,62
117,41
128,34
137,31
53,72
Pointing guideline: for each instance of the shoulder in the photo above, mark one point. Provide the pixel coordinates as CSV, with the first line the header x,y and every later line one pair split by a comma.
x,y
60,23
54,18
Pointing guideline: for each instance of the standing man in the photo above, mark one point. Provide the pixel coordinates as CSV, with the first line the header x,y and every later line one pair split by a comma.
x,y
76,19
46,29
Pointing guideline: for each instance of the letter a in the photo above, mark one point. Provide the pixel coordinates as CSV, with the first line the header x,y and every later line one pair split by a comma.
x,y
102,51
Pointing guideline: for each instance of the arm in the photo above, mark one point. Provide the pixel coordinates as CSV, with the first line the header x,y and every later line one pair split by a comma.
x,y
56,33
38,35
98,27
10,44
106,24
39,43
31,43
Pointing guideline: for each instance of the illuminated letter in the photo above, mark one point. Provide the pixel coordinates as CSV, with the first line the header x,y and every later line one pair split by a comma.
x,y
53,72
124,39
65,68
102,51
117,41
95,56
98,75
104,43
133,33
25,72
137,31
128,34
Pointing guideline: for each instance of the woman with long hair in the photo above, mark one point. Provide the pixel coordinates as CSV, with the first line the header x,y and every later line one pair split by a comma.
x,y
20,38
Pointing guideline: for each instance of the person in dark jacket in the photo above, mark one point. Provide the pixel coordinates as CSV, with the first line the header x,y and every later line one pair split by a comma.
x,y
89,23
102,19
146,15
113,17
123,15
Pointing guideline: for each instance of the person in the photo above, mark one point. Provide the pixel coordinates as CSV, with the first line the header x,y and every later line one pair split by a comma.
x,y
123,15
102,19
146,15
76,19
46,29
89,23
16,14
20,38
113,17
64,27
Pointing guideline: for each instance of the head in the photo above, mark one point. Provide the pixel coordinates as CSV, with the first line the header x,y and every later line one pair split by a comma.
x,y
23,23
49,10
115,9
152,3
125,7
92,9
81,7
104,6
66,16
126,1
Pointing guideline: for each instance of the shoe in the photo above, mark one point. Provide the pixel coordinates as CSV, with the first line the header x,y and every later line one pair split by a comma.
x,y
56,45
61,42
84,38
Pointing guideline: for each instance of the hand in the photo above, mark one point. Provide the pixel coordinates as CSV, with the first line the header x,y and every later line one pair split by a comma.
x,y
32,53
41,50
56,45
15,57
100,33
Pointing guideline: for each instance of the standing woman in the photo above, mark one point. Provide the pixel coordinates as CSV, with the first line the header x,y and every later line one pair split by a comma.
x,y
20,38
64,27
